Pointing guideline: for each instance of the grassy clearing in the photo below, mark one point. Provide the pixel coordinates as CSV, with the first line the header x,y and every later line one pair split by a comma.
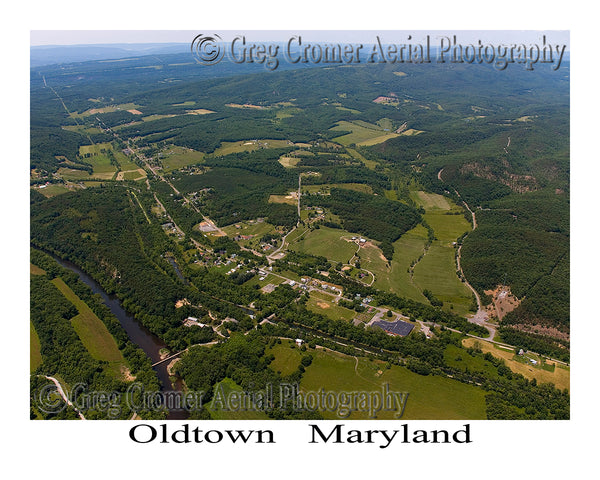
x,y
134,174
283,199
325,188
35,349
109,109
174,157
430,397
68,174
35,270
430,201
199,111
436,272
396,279
326,242
323,304
248,146
447,227
219,409
91,330
374,141
363,133
287,358
54,190
93,154
289,162
560,375
269,279
411,132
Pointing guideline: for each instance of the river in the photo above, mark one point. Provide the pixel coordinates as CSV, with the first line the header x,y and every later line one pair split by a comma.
x,y
137,333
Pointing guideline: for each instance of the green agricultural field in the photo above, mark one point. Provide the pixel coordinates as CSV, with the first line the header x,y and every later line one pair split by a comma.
x,y
430,397
283,199
151,118
326,187
269,279
174,157
396,279
447,227
109,109
69,174
91,330
431,201
248,146
35,349
322,303
53,190
436,272
289,162
363,133
126,163
103,168
370,164
287,358
220,410
326,242
134,175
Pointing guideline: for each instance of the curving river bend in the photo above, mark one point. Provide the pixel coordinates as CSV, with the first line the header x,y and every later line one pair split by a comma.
x,y
137,333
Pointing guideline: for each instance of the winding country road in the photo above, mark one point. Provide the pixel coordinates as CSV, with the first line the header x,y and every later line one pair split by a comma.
x,y
61,392
481,317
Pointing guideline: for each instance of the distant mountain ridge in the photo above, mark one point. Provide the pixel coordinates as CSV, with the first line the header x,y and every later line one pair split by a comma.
x,y
58,54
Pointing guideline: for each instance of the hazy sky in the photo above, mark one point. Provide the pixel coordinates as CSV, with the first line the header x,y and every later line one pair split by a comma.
x,y
74,37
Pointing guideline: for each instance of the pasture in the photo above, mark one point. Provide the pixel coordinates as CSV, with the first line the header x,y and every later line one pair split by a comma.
x,y
363,133
174,157
396,279
430,201
430,397
107,109
248,146
286,359
91,330
436,272
55,189
326,242
289,199
323,304
289,162
97,156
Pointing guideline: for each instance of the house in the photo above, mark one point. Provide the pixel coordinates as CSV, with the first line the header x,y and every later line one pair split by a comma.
x,y
299,342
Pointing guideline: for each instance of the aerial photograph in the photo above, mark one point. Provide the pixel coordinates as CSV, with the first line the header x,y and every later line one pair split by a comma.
x,y
300,225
